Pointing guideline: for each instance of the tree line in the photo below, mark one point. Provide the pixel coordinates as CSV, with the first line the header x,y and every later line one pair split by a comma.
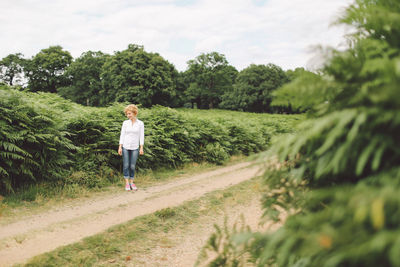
x,y
137,76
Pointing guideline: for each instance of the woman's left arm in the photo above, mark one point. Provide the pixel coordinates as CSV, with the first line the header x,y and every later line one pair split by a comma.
x,y
141,139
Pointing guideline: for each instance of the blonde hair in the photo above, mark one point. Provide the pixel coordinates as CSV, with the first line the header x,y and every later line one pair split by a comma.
x,y
132,108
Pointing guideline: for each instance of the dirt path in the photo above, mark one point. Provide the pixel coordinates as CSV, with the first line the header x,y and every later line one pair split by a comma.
x,y
46,231
183,245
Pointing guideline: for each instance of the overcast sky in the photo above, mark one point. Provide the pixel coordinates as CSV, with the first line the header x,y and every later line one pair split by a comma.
x,y
281,32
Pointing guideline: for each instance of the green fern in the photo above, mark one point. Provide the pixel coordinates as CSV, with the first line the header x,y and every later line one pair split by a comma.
x,y
340,173
32,147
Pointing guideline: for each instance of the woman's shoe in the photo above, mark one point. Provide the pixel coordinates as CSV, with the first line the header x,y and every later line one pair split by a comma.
x,y
133,186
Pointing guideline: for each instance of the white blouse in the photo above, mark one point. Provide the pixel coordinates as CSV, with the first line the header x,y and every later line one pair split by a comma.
x,y
132,135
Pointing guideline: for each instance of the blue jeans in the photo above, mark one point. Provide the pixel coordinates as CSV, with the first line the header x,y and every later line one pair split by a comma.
x,y
129,162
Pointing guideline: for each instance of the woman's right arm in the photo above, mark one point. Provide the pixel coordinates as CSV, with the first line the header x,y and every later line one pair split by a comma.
x,y
121,139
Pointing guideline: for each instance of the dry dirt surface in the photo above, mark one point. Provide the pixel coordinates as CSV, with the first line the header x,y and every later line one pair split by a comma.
x,y
181,247
45,231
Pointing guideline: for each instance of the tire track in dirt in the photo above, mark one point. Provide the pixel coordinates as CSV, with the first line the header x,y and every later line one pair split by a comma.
x,y
46,231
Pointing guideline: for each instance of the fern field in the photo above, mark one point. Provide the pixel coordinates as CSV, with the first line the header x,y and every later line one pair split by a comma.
x,y
45,138
35,145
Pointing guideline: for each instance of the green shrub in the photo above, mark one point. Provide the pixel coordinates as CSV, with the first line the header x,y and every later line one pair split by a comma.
x,y
34,146
46,138
215,153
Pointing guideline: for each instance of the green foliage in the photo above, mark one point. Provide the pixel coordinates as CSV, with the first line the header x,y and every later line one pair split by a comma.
x,y
136,76
339,176
11,69
345,145
175,137
45,71
345,225
84,73
354,135
45,138
168,139
33,145
208,76
293,74
228,253
253,88
306,92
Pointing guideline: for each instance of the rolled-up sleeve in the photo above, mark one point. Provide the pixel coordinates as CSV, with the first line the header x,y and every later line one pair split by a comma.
x,y
122,136
141,138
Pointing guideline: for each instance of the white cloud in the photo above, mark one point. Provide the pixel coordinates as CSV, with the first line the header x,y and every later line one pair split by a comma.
x,y
278,31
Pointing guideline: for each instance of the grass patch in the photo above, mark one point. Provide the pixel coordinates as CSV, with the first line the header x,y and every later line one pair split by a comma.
x,y
120,243
151,177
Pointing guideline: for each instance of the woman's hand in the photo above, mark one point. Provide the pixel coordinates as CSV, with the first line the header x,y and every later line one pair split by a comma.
x,y
141,150
120,150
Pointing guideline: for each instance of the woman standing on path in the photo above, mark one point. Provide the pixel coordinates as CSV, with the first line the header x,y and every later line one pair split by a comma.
x,y
131,144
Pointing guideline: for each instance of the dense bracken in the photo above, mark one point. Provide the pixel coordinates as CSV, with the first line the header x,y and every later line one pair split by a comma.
x,y
47,138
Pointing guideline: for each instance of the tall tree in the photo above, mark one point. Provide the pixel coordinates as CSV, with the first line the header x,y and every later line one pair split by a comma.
x,y
208,76
136,76
45,71
253,88
84,74
180,97
12,69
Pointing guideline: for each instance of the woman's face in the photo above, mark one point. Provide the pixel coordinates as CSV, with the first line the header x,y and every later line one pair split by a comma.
x,y
130,115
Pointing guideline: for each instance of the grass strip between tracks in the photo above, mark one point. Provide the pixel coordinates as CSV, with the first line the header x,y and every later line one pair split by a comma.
x,y
119,243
